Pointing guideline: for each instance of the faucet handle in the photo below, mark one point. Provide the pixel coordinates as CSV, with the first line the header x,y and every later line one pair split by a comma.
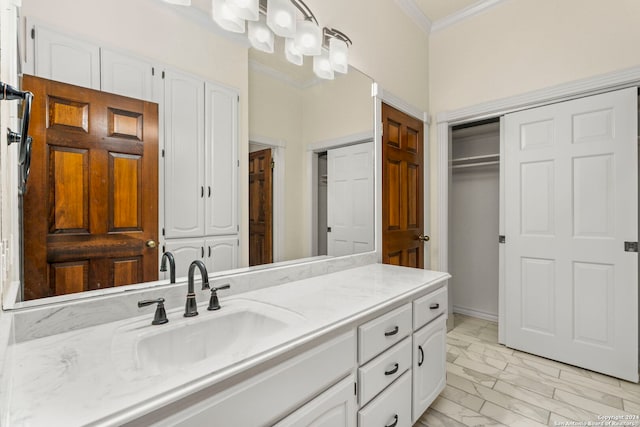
x,y
214,303
160,316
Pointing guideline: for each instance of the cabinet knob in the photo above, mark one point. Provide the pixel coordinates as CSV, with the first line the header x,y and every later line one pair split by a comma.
x,y
151,244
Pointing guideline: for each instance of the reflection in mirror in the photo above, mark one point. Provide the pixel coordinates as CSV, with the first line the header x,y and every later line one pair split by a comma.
x,y
293,117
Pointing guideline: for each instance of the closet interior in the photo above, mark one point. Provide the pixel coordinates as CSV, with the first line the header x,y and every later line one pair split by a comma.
x,y
474,201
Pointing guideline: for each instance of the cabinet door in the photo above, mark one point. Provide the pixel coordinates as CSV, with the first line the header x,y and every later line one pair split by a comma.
x,y
185,251
65,59
335,407
127,76
221,253
184,156
221,138
429,364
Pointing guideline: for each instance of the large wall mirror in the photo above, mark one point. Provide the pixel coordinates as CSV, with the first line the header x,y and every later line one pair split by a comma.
x,y
305,144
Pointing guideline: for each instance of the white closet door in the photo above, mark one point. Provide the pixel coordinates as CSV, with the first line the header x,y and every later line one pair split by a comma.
x,y
66,59
571,204
221,137
184,190
350,203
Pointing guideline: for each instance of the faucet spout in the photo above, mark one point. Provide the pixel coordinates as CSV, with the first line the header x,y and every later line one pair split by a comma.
x,y
191,308
172,266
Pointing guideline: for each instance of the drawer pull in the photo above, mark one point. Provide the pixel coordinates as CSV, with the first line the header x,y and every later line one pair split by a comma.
x,y
394,423
434,306
392,332
421,360
393,371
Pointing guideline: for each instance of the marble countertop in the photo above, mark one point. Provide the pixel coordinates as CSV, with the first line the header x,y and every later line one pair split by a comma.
x,y
86,377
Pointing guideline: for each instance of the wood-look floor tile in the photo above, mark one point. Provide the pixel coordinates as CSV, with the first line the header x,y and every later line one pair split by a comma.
x,y
557,420
560,408
507,417
433,418
461,414
465,399
580,380
632,407
478,357
470,374
508,402
629,386
574,369
587,404
540,382
481,367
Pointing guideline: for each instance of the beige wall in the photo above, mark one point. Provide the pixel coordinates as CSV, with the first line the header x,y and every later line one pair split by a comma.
x,y
524,45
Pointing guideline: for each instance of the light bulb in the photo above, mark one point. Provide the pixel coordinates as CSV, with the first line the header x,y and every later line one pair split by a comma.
x,y
283,19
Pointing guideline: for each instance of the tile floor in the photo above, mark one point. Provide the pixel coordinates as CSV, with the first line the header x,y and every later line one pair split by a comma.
x,y
491,385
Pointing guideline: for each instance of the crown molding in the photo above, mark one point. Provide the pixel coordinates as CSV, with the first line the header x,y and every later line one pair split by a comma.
x,y
411,9
475,9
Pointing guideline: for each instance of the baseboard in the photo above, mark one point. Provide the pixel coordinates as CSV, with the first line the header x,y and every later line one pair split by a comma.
x,y
475,313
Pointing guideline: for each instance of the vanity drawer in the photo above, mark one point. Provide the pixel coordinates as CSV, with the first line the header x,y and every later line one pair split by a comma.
x,y
429,307
383,332
383,370
391,408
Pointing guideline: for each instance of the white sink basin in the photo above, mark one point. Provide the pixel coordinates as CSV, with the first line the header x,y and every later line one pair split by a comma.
x,y
242,328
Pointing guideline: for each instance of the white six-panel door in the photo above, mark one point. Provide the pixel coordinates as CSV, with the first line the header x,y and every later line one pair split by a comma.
x,y
350,203
571,202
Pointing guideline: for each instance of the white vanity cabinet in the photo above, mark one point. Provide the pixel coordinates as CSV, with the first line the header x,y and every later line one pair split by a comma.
x,y
276,394
429,349
65,59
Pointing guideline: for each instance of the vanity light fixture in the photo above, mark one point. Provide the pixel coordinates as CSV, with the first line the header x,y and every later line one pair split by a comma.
x,y
261,36
328,46
245,9
281,17
322,66
224,16
292,53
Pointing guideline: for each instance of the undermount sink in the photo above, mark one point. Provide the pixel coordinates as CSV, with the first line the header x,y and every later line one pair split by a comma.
x,y
242,328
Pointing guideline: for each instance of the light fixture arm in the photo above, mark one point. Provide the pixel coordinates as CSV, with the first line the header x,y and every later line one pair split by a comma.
x,y
304,9
332,32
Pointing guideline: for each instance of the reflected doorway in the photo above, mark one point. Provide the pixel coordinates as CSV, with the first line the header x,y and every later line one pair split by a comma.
x,y
261,167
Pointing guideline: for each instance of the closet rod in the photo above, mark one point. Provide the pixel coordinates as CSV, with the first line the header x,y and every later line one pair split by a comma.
x,y
471,165
483,157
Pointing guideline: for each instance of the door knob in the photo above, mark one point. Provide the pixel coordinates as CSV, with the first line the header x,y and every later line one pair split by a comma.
x,y
151,244
424,238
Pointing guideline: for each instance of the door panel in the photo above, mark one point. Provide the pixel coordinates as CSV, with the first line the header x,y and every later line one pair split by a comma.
x,y
350,199
571,203
91,201
402,189
260,208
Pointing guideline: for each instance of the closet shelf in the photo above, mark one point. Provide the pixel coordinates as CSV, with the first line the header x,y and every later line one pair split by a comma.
x,y
467,162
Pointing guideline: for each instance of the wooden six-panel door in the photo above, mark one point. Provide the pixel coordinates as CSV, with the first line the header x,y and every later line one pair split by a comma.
x,y
90,215
260,208
402,189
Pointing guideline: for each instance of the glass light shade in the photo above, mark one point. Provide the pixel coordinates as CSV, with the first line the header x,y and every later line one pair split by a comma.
x,y
292,53
308,38
225,18
339,55
179,2
322,66
281,17
245,9
260,36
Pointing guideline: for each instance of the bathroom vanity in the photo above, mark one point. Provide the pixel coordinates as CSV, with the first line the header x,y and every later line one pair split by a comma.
x,y
364,346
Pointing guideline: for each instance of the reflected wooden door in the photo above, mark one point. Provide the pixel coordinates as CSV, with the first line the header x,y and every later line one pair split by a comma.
x,y
402,189
90,213
260,208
